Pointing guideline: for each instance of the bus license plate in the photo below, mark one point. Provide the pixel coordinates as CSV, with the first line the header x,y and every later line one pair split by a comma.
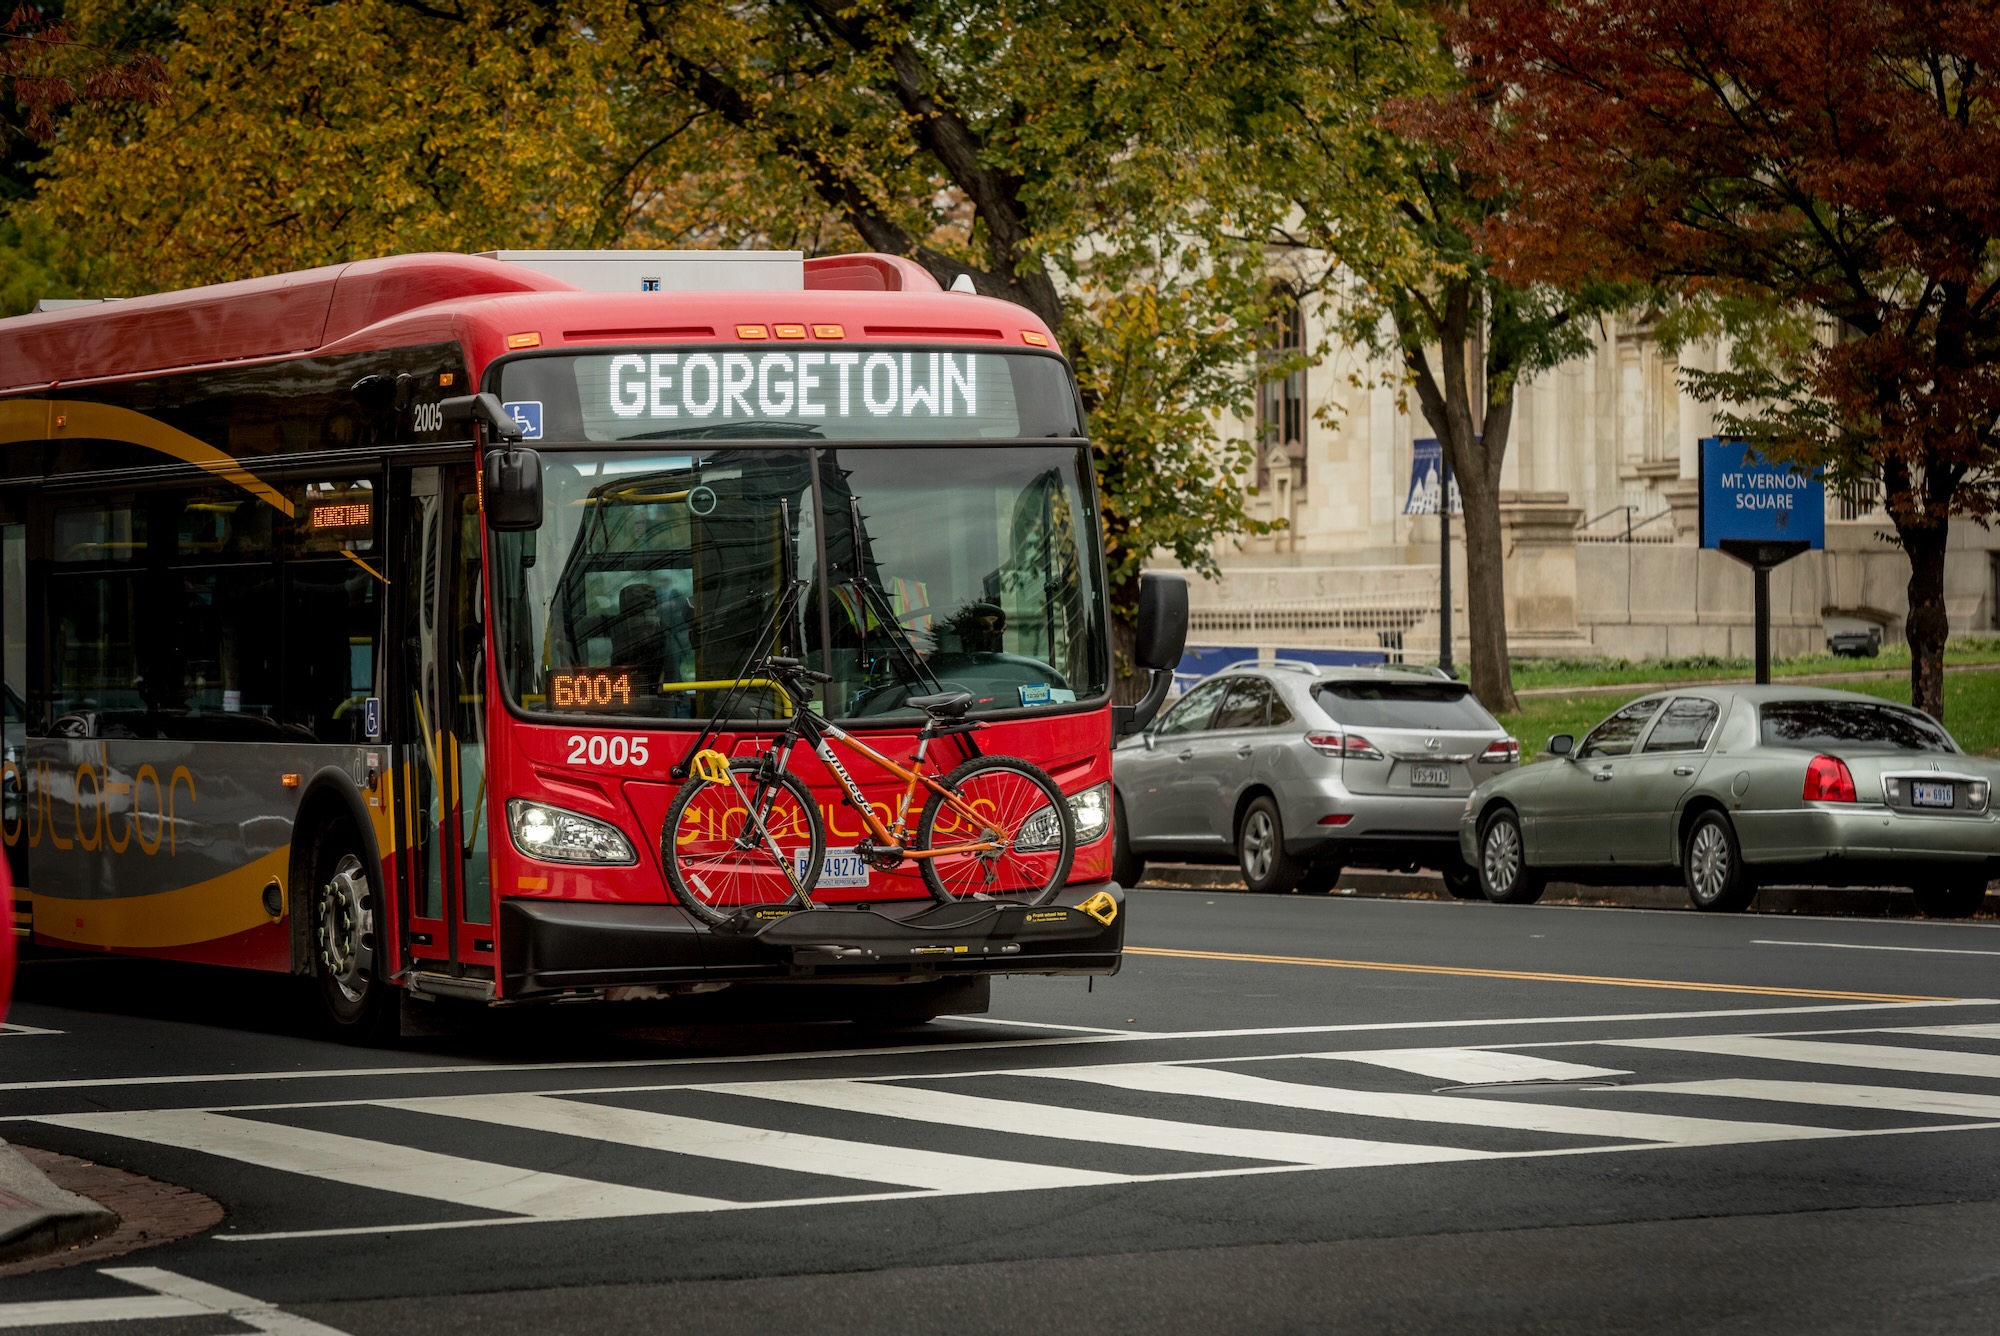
x,y
842,869
1924,794
1431,776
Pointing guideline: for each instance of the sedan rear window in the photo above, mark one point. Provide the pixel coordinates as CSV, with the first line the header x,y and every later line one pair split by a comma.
x,y
1829,725
1443,705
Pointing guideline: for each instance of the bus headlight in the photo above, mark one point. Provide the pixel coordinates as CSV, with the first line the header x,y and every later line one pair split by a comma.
x,y
558,836
1091,812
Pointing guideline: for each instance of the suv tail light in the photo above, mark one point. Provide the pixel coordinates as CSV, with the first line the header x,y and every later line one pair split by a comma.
x,y
1507,751
1828,780
1350,745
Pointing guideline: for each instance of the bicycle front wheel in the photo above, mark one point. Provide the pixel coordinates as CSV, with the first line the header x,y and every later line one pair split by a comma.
x,y
753,843
1007,830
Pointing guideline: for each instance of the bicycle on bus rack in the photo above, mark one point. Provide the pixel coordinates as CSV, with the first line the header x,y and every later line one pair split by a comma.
x,y
744,841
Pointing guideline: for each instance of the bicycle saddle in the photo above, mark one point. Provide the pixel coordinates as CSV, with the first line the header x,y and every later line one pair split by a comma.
x,y
943,705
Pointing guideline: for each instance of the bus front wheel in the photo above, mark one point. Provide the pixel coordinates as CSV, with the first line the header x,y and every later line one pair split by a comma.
x,y
344,904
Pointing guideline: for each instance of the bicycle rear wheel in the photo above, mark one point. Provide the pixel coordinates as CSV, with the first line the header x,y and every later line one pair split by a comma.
x,y
1022,820
753,843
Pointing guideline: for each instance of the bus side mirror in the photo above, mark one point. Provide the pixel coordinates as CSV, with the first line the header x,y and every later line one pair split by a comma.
x,y
1162,636
512,491
1163,621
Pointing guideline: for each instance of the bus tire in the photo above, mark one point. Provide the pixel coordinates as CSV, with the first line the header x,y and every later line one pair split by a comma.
x,y
346,930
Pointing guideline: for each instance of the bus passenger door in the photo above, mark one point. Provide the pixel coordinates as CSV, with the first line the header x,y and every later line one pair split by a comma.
x,y
447,909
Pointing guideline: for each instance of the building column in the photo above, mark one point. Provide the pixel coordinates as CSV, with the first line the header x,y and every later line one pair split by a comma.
x,y
1538,534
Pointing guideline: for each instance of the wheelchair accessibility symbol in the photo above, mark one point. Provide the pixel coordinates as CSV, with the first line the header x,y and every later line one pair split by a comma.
x,y
528,414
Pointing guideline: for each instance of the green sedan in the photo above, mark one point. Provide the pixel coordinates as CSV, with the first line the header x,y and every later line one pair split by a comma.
x,y
1739,787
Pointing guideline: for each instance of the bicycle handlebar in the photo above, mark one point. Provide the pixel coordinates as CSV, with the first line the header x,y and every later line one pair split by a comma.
x,y
783,668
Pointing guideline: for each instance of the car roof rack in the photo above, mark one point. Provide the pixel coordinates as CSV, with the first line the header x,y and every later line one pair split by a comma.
x,y
1289,665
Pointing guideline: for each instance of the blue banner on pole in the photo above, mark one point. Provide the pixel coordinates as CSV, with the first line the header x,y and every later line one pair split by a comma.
x,y
1750,499
1426,473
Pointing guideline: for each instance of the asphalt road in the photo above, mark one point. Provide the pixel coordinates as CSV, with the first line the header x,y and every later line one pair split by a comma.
x,y
1286,1114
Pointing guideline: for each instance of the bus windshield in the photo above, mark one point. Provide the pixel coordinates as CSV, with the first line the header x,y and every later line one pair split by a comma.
x,y
655,574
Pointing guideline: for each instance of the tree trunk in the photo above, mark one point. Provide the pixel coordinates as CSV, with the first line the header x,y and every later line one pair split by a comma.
x,y
1446,402
1485,588
1929,624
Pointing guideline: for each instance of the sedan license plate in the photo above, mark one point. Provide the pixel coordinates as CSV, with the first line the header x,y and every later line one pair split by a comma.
x,y
1924,794
1430,776
842,869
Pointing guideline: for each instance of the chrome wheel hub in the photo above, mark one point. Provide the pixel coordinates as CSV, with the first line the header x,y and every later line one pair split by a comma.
x,y
344,919
1501,857
1708,863
1259,846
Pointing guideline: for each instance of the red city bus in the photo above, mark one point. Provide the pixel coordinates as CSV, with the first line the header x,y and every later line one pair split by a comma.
x,y
279,696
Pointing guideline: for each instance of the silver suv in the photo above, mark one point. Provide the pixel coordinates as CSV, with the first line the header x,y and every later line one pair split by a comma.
x,y
1297,771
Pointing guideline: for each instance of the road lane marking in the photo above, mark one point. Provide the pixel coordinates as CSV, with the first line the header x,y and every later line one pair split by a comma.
x,y
1833,1094
384,1166
794,1151
1038,1025
1471,1066
1857,946
1945,1031
129,1308
952,1109
1459,1110
14,1027
1161,1036
1535,976
1825,1053
173,1295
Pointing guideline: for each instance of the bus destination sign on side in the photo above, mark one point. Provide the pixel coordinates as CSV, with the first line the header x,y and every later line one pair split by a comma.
x,y
1746,498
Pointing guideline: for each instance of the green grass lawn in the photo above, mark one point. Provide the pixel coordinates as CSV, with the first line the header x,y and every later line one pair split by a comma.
x,y
1971,706
1532,673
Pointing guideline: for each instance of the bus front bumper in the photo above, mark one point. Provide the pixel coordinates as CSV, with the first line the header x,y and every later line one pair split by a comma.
x,y
556,948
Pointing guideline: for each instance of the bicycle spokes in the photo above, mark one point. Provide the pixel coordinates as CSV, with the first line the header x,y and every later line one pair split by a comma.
x,y
1001,835
743,843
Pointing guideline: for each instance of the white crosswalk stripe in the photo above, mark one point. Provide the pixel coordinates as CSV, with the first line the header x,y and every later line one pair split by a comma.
x,y
384,1166
1614,1124
950,1109
1048,1127
1830,1053
756,1145
1473,1066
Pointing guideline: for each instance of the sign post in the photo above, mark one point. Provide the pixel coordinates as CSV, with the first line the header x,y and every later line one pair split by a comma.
x,y
1432,492
1761,513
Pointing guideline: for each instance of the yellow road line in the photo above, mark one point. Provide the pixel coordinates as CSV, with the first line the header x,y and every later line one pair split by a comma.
x,y
1535,976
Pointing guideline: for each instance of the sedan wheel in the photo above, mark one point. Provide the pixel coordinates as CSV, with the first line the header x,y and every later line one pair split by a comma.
x,y
1953,899
1504,874
1260,850
1712,866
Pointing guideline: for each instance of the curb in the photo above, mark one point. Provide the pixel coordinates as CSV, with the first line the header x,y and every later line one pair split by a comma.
x,y
37,1217
1815,900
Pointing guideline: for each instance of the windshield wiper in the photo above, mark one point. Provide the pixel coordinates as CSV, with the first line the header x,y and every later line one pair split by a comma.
x,y
752,429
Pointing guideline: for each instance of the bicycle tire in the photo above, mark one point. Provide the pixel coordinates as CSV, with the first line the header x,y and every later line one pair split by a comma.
x,y
705,907
1044,864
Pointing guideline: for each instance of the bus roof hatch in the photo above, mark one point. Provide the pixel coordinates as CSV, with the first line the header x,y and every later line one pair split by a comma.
x,y
665,270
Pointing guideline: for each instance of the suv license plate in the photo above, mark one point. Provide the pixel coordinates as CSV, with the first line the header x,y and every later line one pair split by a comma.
x,y
842,869
1431,776
1924,794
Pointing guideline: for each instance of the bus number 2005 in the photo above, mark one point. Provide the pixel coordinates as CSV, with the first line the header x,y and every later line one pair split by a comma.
x,y
597,749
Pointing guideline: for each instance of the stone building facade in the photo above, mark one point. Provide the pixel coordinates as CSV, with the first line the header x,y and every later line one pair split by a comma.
x,y
1600,510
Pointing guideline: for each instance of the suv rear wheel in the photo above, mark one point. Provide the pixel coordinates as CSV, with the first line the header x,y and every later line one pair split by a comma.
x,y
1260,850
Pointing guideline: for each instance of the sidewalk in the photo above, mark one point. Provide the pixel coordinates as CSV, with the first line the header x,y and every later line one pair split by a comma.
x,y
37,1217
1865,903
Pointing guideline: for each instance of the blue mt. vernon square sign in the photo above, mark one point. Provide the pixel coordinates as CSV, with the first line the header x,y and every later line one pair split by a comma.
x,y
1745,499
